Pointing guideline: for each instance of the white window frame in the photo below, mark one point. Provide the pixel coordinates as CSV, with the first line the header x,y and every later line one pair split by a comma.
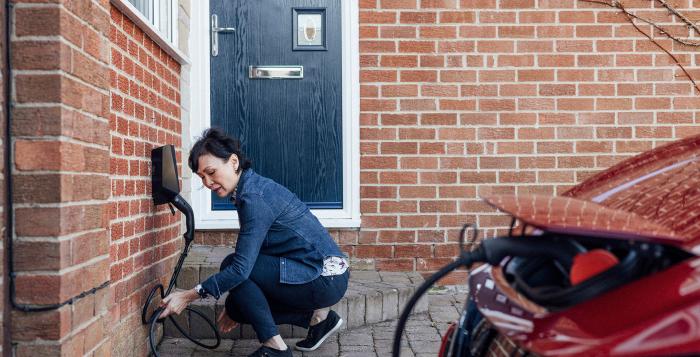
x,y
349,215
152,27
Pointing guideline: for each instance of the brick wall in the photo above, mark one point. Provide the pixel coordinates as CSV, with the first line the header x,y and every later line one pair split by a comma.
x,y
3,183
461,99
145,113
92,96
60,134
465,98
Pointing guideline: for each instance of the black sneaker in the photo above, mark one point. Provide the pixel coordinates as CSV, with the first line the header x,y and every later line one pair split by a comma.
x,y
265,351
320,332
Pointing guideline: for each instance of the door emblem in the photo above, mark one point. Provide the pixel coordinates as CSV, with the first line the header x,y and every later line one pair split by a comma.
x,y
310,29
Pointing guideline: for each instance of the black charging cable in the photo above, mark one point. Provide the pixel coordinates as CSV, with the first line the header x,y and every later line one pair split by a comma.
x,y
467,259
154,318
490,251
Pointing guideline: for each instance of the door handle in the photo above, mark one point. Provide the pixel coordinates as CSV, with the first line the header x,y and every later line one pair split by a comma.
x,y
215,29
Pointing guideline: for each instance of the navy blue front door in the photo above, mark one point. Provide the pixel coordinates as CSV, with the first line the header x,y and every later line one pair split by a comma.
x,y
290,128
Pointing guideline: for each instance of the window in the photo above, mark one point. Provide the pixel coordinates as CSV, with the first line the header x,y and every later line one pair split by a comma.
x,y
162,14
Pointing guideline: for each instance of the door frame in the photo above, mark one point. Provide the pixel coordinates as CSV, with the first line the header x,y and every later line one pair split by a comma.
x,y
200,119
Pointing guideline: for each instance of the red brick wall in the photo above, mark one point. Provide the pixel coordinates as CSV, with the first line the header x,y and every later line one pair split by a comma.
x,y
461,99
145,113
93,95
3,182
465,98
60,176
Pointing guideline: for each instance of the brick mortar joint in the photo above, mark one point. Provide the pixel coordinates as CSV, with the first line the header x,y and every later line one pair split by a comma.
x,y
66,173
155,279
73,332
137,271
20,5
142,251
53,173
159,95
61,106
131,218
117,134
62,272
60,40
125,53
127,240
77,329
60,7
62,139
31,72
62,205
61,74
57,239
154,107
104,35
141,46
130,198
147,69
98,345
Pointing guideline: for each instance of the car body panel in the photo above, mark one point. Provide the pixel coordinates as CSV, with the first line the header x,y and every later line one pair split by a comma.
x,y
656,315
661,186
558,214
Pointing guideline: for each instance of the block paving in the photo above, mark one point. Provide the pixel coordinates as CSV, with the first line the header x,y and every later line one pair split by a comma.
x,y
372,297
421,338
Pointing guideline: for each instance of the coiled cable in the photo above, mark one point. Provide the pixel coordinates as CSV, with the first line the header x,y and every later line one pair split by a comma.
x,y
154,318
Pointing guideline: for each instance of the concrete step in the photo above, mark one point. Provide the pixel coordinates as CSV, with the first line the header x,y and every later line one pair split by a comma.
x,y
372,297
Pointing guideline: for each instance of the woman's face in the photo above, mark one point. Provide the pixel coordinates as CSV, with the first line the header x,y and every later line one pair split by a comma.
x,y
219,175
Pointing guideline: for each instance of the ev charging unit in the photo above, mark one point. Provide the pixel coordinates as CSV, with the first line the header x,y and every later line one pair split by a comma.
x,y
166,190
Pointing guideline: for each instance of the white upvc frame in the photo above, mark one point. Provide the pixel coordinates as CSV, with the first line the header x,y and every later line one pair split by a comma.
x,y
200,119
172,24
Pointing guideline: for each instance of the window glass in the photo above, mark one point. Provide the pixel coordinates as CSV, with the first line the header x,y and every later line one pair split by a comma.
x,y
145,7
160,13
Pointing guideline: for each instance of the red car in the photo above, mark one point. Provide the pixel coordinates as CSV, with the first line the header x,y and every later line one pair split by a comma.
x,y
610,268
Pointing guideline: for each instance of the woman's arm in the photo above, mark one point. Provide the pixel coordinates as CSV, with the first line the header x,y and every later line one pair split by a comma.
x,y
255,217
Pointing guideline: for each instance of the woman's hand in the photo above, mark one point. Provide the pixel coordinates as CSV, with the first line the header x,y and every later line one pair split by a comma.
x,y
225,322
177,301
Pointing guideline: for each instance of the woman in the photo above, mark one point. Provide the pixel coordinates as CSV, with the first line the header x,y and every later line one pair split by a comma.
x,y
286,268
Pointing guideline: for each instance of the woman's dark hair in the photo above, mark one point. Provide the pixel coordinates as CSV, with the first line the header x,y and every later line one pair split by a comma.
x,y
214,141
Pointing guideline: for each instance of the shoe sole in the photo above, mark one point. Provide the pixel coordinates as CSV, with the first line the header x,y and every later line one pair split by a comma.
x,y
318,344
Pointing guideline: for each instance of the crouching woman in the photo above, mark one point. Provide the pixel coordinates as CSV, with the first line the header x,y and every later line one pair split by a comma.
x,y
286,268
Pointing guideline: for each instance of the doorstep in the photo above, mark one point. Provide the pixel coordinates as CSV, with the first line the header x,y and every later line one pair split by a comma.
x,y
372,297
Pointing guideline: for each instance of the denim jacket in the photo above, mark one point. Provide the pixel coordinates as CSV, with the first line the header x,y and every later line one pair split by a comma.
x,y
273,221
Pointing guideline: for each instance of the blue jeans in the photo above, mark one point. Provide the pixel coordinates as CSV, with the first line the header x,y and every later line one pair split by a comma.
x,y
264,302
